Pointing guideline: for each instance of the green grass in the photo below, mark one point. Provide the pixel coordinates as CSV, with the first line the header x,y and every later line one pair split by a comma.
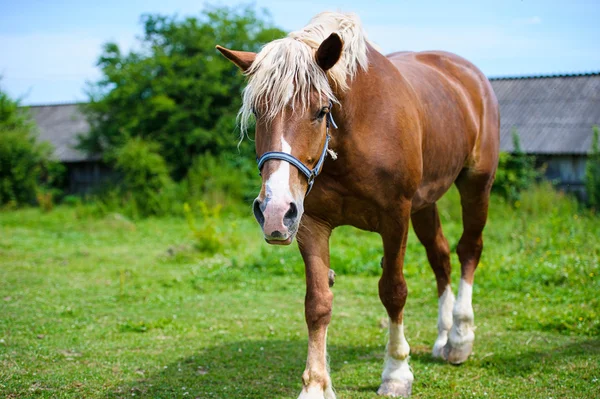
x,y
110,308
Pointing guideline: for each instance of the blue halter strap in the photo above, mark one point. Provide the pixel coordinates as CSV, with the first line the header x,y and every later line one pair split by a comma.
x,y
310,174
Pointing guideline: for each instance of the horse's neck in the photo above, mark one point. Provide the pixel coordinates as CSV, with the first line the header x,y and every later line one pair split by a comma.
x,y
368,92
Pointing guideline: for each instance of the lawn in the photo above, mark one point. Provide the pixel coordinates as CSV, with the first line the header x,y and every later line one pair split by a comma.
x,y
107,307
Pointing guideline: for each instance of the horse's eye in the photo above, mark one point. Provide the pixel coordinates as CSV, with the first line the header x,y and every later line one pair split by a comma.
x,y
322,113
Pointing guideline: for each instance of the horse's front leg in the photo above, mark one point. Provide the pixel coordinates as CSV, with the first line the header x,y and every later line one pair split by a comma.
x,y
313,240
397,378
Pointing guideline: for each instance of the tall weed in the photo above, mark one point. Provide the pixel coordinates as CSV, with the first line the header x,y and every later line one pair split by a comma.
x,y
211,233
592,171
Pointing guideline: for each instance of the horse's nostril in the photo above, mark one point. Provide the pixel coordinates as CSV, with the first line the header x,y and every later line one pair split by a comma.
x,y
277,234
260,217
290,216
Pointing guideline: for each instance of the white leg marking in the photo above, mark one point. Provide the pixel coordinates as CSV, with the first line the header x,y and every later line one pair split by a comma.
x,y
462,334
396,377
315,391
445,305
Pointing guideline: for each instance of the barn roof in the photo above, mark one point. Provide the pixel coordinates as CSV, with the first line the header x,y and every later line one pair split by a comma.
x,y
60,124
552,114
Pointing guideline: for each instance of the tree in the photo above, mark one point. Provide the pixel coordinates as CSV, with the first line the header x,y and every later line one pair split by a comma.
x,y
592,171
176,90
24,162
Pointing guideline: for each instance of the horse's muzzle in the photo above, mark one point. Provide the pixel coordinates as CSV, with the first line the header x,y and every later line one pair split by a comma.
x,y
278,220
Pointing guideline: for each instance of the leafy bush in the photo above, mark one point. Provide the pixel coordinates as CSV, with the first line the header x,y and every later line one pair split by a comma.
x,y
225,179
592,172
516,172
20,160
25,164
145,182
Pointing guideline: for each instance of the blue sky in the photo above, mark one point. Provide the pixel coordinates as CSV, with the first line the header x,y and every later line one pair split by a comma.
x,y
48,49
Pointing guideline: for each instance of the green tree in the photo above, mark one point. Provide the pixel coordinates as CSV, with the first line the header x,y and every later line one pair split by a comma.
x,y
592,171
176,90
25,163
516,171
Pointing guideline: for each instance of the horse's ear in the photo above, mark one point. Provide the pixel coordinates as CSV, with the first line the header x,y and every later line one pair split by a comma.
x,y
243,59
329,52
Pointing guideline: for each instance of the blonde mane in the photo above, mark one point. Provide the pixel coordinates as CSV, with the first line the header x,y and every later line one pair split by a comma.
x,y
286,69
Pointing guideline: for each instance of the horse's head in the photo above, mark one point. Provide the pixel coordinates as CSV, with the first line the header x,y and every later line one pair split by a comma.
x,y
289,94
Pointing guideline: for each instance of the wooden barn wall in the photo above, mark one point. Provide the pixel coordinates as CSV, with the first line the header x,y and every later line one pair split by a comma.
x,y
566,171
84,177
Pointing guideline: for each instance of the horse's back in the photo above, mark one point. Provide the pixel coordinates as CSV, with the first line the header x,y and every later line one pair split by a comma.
x,y
459,117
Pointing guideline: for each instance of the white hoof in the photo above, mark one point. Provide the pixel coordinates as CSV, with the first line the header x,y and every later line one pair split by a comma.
x,y
395,389
460,344
440,343
316,392
457,354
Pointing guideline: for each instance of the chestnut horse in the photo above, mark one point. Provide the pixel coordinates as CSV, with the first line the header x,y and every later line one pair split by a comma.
x,y
409,125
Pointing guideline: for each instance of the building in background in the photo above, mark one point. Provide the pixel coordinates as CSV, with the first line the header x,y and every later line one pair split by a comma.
x,y
61,125
553,116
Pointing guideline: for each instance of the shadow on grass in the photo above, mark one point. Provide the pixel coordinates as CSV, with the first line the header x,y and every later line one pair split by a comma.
x,y
272,369
526,362
243,369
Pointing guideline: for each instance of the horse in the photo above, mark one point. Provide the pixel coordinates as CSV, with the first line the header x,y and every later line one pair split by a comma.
x,y
348,136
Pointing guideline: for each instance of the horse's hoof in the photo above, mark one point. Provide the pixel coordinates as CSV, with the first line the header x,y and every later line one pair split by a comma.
x,y
438,350
395,389
457,354
316,392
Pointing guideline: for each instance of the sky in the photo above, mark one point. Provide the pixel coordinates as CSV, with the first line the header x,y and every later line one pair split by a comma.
x,y
48,49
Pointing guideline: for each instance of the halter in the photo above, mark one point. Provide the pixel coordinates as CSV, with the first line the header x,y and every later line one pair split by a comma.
x,y
283,156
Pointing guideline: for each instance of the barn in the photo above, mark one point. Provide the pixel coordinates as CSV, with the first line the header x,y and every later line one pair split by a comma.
x,y
61,124
553,116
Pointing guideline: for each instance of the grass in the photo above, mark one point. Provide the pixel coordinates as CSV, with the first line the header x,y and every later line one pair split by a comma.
x,y
110,308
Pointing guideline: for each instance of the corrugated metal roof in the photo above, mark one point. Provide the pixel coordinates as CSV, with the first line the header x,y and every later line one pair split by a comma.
x,y
60,124
552,114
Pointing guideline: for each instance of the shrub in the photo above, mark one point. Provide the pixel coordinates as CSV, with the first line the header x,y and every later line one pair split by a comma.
x,y
515,173
225,179
20,159
592,172
208,236
145,181
25,164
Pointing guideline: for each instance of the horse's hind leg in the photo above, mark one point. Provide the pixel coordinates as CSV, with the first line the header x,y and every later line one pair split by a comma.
x,y
427,226
474,191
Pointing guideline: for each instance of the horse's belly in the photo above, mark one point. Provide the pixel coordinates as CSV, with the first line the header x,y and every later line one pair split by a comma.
x,y
429,194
